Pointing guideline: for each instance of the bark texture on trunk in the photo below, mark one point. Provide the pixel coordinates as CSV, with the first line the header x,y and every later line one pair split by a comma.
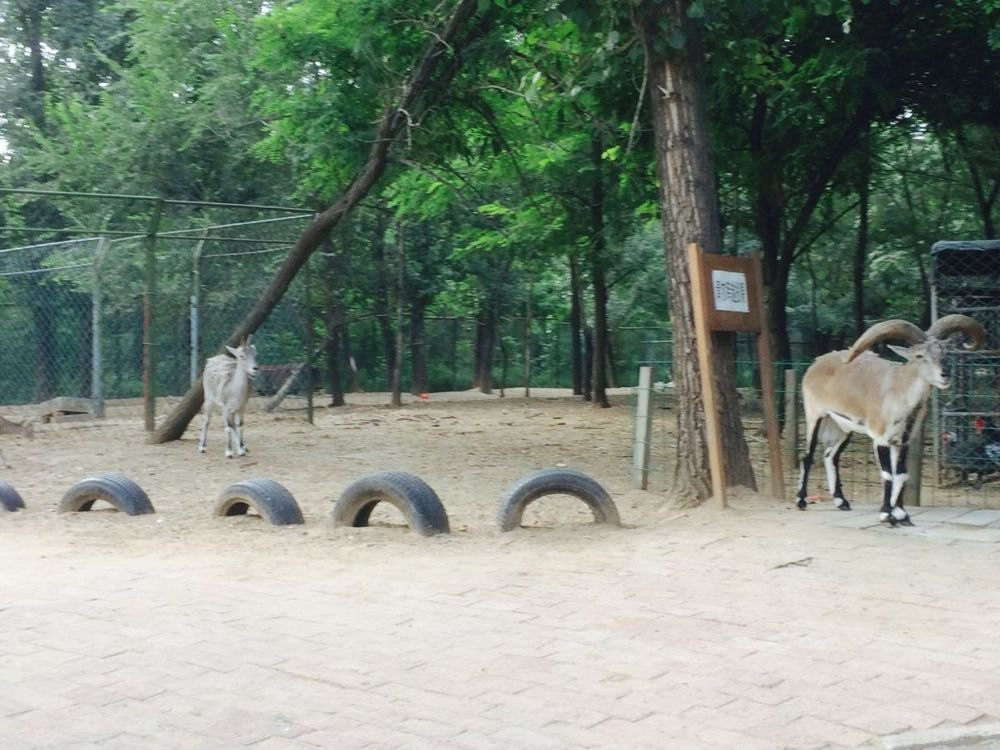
x,y
689,213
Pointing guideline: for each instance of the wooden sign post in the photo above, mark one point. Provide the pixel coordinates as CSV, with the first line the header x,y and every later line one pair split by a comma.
x,y
727,293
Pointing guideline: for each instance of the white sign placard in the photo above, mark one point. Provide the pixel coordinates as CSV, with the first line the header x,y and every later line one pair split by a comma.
x,y
729,289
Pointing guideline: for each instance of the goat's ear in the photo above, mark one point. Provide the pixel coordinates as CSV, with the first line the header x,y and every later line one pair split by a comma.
x,y
903,351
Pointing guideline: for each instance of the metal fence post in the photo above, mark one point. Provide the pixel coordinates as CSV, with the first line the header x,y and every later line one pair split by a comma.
x,y
96,362
195,300
309,341
791,433
148,347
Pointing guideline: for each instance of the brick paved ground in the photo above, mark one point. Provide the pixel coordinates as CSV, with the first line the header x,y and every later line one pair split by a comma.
x,y
748,629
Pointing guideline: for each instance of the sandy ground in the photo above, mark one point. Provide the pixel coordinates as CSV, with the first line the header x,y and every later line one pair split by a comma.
x,y
758,627
469,447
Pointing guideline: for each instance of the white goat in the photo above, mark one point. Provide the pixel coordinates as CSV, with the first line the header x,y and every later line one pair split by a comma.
x,y
857,391
226,381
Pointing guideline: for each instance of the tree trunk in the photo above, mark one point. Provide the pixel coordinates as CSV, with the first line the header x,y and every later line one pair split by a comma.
x,y
486,325
418,347
610,364
352,365
861,247
383,294
445,44
527,343
598,248
30,16
689,213
575,326
396,381
334,259
986,197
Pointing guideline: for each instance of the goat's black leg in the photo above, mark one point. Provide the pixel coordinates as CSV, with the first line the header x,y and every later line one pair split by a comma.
x,y
899,477
885,466
899,473
807,460
831,458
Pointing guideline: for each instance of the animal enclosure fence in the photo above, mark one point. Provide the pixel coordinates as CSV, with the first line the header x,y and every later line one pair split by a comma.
x,y
961,436
965,279
121,297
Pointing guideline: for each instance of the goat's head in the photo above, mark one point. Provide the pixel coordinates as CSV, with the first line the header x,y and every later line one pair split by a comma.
x,y
926,350
246,355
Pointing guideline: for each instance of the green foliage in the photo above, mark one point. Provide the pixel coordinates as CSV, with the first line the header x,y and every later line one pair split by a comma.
x,y
489,188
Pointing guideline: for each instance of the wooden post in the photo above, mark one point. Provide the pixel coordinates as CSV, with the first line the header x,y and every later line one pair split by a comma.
x,y
727,295
643,430
704,346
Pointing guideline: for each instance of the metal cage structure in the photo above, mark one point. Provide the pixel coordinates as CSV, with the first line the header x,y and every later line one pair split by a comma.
x,y
965,278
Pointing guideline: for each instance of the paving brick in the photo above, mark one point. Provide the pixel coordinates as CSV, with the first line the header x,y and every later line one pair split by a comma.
x,y
685,636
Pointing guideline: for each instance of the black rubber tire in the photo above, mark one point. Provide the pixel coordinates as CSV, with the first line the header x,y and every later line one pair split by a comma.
x,y
413,497
9,497
270,499
117,489
556,482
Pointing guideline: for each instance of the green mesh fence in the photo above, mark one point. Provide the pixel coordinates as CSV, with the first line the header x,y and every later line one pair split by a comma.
x,y
961,463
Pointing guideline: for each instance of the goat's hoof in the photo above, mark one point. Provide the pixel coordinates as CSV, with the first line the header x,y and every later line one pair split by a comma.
x,y
802,504
843,504
905,521
201,448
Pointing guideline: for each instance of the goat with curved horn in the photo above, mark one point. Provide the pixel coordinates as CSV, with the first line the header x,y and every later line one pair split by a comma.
x,y
952,324
887,329
857,391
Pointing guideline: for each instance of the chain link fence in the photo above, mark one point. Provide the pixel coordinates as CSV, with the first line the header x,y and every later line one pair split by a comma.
x,y
131,308
46,315
152,287
965,279
961,435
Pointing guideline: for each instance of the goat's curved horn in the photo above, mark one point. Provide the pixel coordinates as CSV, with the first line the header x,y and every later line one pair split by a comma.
x,y
887,329
949,324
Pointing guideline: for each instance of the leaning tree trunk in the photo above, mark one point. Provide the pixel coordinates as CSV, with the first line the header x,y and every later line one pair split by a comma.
x,y
445,44
689,213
